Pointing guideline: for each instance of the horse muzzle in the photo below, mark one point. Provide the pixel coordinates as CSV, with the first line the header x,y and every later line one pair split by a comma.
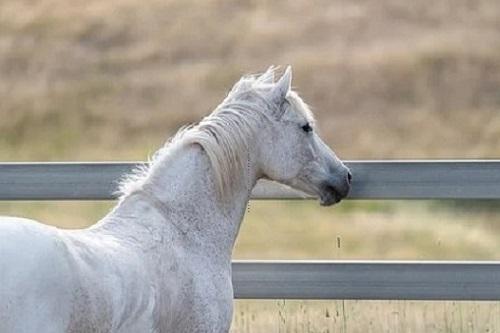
x,y
332,192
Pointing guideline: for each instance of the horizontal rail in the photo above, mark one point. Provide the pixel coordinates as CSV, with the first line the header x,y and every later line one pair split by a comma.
x,y
369,280
469,179
372,180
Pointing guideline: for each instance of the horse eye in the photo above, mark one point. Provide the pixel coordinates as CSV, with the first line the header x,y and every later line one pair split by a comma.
x,y
307,128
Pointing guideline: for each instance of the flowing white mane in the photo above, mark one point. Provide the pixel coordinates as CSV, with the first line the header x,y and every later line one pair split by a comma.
x,y
224,134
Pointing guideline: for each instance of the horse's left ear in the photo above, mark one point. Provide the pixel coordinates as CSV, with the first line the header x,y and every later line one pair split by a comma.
x,y
268,76
282,87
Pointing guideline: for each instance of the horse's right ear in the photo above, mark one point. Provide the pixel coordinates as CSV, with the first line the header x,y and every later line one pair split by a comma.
x,y
283,86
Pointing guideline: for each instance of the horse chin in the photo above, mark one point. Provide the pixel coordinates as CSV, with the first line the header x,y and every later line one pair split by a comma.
x,y
329,199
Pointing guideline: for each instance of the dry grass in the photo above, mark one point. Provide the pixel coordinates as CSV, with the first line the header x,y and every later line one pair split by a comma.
x,y
365,316
82,78
303,230
367,230
352,230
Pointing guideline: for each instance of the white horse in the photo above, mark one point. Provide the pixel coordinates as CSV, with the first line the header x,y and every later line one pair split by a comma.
x,y
160,261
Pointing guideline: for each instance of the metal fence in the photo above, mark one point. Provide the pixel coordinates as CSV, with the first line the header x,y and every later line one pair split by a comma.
x,y
395,280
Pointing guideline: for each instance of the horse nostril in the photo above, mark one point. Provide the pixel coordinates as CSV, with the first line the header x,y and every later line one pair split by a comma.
x,y
349,177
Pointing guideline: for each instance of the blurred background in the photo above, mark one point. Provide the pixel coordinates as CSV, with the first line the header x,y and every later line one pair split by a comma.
x,y
107,80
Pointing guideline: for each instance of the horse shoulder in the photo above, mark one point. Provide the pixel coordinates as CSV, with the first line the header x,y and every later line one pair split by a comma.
x,y
115,292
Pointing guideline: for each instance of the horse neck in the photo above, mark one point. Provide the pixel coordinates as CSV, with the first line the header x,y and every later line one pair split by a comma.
x,y
185,184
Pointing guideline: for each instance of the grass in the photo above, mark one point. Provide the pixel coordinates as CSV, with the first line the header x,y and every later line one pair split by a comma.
x,y
368,230
116,72
365,316
303,230
352,230
397,230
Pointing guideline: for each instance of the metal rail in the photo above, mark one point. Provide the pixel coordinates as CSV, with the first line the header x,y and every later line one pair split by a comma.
x,y
369,280
466,179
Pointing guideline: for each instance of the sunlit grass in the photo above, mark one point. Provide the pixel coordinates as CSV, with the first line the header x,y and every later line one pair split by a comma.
x,y
365,316
107,75
367,230
351,230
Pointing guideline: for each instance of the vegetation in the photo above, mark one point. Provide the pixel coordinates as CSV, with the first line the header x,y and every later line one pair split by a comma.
x,y
387,79
353,230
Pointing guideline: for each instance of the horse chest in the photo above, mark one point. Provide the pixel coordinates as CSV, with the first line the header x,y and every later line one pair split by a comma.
x,y
203,299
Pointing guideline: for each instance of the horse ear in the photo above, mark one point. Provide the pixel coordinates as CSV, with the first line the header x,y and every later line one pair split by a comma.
x,y
283,86
268,76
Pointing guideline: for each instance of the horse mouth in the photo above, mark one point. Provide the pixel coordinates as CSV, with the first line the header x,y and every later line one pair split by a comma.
x,y
329,199
330,196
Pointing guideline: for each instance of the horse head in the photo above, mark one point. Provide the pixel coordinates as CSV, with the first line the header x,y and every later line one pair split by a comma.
x,y
289,148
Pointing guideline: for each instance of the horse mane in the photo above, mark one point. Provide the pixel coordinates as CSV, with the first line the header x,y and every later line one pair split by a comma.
x,y
224,135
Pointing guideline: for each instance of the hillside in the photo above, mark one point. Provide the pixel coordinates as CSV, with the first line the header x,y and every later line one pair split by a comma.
x,y
113,79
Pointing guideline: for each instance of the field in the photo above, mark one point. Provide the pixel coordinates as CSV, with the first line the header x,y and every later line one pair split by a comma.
x,y
81,79
111,80
353,230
